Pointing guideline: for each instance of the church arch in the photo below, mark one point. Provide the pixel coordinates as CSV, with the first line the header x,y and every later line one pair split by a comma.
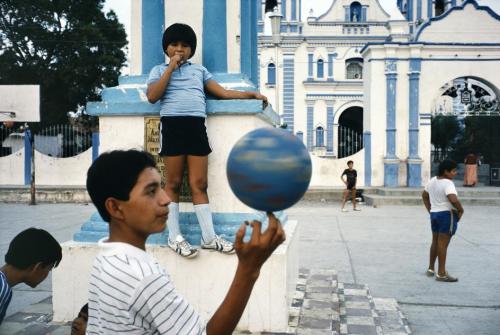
x,y
349,131
465,119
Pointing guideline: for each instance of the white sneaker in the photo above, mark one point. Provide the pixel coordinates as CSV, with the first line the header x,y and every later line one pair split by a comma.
x,y
344,210
182,247
356,209
219,244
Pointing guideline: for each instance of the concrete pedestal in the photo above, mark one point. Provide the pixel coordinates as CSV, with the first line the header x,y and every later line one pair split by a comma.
x,y
204,281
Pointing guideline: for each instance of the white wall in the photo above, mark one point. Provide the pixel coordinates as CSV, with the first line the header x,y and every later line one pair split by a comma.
x,y
12,168
70,171
327,171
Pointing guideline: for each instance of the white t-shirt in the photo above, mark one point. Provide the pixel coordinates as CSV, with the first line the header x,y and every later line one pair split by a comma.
x,y
438,190
130,293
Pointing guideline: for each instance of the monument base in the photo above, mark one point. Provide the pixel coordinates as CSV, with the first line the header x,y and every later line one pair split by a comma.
x,y
203,281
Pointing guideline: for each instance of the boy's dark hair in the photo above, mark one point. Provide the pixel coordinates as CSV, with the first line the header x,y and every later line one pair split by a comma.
x,y
114,174
447,165
33,246
350,162
179,32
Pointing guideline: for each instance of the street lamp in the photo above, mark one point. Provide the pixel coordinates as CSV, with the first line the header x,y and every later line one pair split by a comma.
x,y
276,31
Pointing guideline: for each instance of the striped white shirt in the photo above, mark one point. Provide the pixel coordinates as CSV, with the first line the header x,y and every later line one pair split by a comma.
x,y
130,293
5,296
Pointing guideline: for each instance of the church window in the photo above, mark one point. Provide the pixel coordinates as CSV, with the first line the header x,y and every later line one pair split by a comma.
x,y
355,12
320,66
320,136
271,74
354,69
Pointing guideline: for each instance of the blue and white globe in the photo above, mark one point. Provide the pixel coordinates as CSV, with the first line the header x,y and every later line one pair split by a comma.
x,y
269,169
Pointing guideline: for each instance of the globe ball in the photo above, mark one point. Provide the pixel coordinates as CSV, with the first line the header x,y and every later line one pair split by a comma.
x,y
269,169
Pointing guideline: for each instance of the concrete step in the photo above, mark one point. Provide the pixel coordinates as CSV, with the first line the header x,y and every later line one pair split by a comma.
x,y
412,200
331,193
484,192
45,194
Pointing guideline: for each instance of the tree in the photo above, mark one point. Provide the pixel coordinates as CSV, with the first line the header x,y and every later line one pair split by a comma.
x,y
444,131
68,47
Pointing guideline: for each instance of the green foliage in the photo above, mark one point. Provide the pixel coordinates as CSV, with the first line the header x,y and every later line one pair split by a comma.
x,y
444,131
68,47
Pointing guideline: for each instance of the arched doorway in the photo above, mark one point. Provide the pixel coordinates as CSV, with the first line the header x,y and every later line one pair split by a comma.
x,y
466,119
350,132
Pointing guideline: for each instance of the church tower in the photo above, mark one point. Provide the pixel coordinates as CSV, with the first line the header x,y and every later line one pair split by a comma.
x,y
289,9
417,11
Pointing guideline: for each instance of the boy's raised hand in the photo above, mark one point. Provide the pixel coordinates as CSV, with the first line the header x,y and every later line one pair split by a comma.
x,y
254,253
175,62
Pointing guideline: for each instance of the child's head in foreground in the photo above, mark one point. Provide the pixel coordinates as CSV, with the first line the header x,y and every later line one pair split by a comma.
x,y
114,174
35,252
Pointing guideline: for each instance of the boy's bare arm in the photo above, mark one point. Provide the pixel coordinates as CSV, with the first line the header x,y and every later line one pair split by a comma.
x,y
456,203
213,88
156,90
426,200
251,257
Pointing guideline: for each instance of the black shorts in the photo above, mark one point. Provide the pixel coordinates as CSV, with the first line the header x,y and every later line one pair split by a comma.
x,y
351,185
183,135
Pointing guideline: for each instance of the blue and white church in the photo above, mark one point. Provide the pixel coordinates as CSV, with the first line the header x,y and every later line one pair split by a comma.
x,y
361,83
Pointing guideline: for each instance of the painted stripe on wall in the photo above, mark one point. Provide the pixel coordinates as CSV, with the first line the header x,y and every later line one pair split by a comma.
x,y
367,143
27,157
215,35
391,80
329,128
414,77
153,25
95,145
310,113
330,65
310,65
288,90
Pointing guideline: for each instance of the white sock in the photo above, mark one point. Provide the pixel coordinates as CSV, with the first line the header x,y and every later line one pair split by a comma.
x,y
173,221
204,216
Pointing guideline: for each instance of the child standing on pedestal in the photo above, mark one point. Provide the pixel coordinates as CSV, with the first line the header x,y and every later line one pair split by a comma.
x,y
180,87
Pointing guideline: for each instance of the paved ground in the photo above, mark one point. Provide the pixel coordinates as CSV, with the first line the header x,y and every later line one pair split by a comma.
x,y
384,248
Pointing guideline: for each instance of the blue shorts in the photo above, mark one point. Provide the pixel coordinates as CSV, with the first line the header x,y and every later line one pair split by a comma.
x,y
444,222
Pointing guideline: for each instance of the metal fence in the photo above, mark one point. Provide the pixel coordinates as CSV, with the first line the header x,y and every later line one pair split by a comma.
x,y
62,140
350,142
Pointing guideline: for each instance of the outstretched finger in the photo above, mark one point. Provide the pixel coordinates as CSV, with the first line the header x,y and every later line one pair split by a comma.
x,y
240,234
256,226
273,223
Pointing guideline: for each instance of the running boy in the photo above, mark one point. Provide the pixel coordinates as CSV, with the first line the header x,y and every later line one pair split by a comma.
x,y
31,256
440,199
129,292
350,183
180,87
